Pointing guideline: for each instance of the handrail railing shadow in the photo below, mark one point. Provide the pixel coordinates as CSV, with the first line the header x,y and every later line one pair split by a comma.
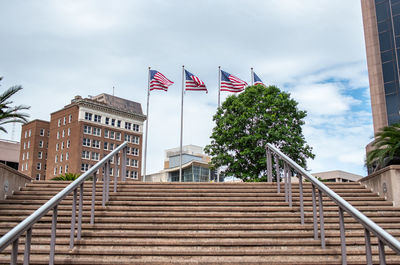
x,y
12,237
384,238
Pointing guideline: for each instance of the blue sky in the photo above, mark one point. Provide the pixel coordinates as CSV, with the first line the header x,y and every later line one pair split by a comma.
x,y
313,49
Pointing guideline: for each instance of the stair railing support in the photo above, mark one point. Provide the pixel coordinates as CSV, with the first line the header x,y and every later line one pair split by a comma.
x,y
78,237
342,236
290,186
103,198
278,173
314,204
53,235
73,220
368,252
285,176
301,199
321,219
14,252
27,252
382,256
93,204
115,172
123,165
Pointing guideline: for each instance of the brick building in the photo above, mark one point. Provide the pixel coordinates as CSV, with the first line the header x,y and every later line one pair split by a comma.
x,y
33,149
87,129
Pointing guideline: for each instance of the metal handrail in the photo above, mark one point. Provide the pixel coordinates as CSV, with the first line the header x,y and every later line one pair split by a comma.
x,y
367,223
26,225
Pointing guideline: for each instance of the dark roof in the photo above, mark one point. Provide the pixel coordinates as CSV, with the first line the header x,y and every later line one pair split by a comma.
x,y
119,103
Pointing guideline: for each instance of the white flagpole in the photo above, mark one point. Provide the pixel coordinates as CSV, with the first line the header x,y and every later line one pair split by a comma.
x,y
147,127
219,86
252,77
183,91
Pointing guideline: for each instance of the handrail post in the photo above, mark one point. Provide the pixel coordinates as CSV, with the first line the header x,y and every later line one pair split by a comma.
x,y
27,252
107,173
342,237
269,166
278,173
321,219
382,256
93,198
285,176
73,220
301,199
368,251
115,172
314,204
103,202
123,164
78,237
53,235
290,187
14,253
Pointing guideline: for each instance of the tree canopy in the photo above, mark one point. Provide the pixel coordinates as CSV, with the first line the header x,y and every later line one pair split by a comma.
x,y
386,148
245,123
9,113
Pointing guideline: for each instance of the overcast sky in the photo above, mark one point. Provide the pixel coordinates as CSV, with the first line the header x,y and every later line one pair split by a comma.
x,y
313,49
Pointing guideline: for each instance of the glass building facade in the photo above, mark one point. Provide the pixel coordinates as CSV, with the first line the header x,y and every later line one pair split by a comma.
x,y
193,173
388,23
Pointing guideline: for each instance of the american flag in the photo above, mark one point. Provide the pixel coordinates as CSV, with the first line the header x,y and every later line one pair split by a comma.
x,y
231,83
257,80
158,81
193,83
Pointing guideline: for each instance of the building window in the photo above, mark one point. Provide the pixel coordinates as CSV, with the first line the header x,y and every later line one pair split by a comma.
x,y
69,131
68,143
40,155
59,122
26,134
118,123
135,151
61,157
87,129
84,167
88,116
23,156
111,146
55,171
128,125
66,169
30,132
63,133
41,132
107,121
97,118
41,144
106,133
127,137
134,163
69,118
118,136
86,142
85,154
27,155
135,140
57,147
112,122
58,135
96,131
29,144
96,144
38,166
66,156
135,127
62,145
95,156
65,120
60,170
24,146
134,174
38,176
112,135
105,146
56,158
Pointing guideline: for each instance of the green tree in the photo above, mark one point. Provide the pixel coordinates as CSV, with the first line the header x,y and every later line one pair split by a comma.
x,y
245,123
67,177
386,148
8,113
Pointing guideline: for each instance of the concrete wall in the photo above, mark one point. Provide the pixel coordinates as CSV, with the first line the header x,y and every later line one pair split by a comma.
x,y
11,180
386,182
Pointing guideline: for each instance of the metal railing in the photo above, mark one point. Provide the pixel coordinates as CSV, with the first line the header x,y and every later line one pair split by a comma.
x,y
384,238
12,237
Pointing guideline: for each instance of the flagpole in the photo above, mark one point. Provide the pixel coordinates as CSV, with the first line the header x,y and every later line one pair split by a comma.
x,y
219,86
252,76
147,127
183,90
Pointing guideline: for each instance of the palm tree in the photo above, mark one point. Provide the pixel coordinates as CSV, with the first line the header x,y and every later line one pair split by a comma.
x,y
8,113
386,148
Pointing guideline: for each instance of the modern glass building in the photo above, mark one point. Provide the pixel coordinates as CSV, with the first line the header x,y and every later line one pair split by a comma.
x,y
381,20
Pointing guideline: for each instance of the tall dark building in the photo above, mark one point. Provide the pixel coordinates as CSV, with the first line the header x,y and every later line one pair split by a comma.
x,y
381,20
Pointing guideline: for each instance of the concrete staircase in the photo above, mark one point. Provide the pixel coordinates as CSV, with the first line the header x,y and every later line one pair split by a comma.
x,y
198,223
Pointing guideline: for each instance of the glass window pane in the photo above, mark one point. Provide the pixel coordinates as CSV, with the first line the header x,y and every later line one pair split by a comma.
x,y
387,56
385,41
382,11
388,72
392,104
396,22
383,25
390,88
